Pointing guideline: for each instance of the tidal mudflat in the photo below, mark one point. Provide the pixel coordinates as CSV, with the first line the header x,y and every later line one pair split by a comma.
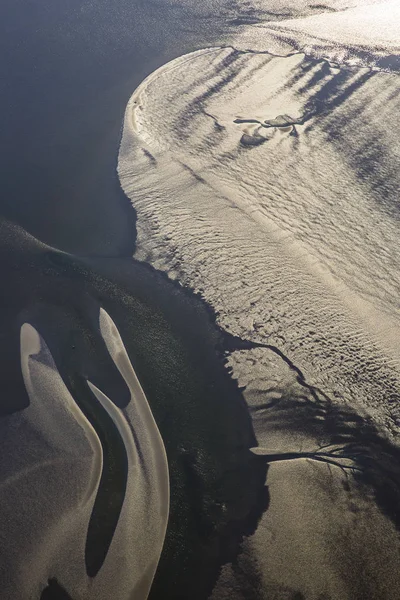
x,y
264,175
216,417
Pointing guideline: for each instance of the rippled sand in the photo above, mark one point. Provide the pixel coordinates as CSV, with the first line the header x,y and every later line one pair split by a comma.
x,y
292,240
265,177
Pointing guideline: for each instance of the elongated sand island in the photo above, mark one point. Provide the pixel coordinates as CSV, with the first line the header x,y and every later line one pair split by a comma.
x,y
87,504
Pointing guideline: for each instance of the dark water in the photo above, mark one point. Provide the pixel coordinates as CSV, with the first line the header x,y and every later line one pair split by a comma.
x,y
66,73
176,350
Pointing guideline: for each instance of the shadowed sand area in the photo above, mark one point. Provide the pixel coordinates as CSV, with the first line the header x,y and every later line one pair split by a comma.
x,y
176,350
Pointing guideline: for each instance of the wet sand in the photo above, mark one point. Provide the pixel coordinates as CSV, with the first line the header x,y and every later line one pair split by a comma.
x,y
247,191
199,410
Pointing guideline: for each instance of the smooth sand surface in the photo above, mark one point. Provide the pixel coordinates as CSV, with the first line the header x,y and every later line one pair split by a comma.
x,y
50,485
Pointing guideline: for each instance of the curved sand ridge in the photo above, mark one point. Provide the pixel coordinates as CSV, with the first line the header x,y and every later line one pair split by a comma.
x,y
293,240
49,495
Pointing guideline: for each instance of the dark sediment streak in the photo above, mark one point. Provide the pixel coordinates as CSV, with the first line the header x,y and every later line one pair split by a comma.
x,y
54,591
354,441
112,487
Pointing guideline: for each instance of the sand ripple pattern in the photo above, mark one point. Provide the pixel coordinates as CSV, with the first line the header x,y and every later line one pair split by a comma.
x,y
269,184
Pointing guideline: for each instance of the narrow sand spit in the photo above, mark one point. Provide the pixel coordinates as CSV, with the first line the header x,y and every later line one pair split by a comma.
x,y
49,491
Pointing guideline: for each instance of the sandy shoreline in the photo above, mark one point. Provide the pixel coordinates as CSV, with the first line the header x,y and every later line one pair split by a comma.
x,y
279,238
